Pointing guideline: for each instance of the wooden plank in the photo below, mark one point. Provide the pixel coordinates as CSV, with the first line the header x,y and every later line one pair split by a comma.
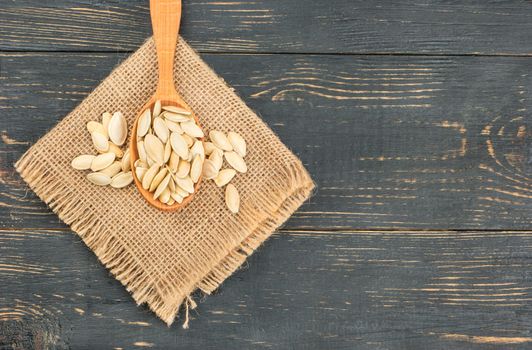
x,y
347,26
301,290
392,142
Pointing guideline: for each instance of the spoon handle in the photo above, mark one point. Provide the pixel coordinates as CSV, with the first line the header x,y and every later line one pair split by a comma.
x,y
165,19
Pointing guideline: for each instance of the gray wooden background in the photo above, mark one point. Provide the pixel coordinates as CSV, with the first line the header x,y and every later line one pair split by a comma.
x,y
413,117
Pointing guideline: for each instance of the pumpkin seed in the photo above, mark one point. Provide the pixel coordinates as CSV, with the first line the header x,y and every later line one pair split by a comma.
x,y
238,143
117,129
220,140
189,140
173,162
140,163
177,197
122,179
210,171
176,118
165,196
139,172
93,126
154,148
157,179
167,152
149,175
150,162
82,162
142,151
156,108
197,149
178,110
160,129
102,161
106,118
217,158
181,192
185,183
179,145
192,129
195,168
174,127
112,169
144,123
224,177
100,141
162,187
232,198
171,184
209,147
183,168
99,179
126,161
116,150
236,161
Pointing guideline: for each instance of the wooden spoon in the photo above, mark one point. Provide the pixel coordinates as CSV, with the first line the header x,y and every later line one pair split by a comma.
x,y
165,19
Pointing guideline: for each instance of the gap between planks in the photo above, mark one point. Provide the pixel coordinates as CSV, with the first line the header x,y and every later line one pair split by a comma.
x,y
323,230
270,53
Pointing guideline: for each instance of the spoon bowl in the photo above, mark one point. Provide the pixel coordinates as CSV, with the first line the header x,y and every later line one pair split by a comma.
x,y
134,156
165,18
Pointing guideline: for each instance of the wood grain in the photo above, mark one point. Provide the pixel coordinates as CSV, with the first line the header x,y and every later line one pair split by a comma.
x,y
341,26
393,142
165,19
302,290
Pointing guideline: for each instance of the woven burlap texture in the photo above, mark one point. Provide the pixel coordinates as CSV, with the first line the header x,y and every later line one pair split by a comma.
x,y
162,257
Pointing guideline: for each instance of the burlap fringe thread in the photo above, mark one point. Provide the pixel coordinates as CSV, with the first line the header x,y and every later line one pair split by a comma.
x,y
277,206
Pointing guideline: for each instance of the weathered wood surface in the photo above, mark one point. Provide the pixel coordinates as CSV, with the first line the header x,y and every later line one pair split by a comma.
x,y
392,142
391,290
419,234
339,26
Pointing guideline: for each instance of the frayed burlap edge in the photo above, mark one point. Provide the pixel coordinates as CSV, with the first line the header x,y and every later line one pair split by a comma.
x,y
276,207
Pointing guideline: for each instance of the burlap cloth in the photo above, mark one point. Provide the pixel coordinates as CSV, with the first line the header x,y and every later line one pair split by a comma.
x,y
161,257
